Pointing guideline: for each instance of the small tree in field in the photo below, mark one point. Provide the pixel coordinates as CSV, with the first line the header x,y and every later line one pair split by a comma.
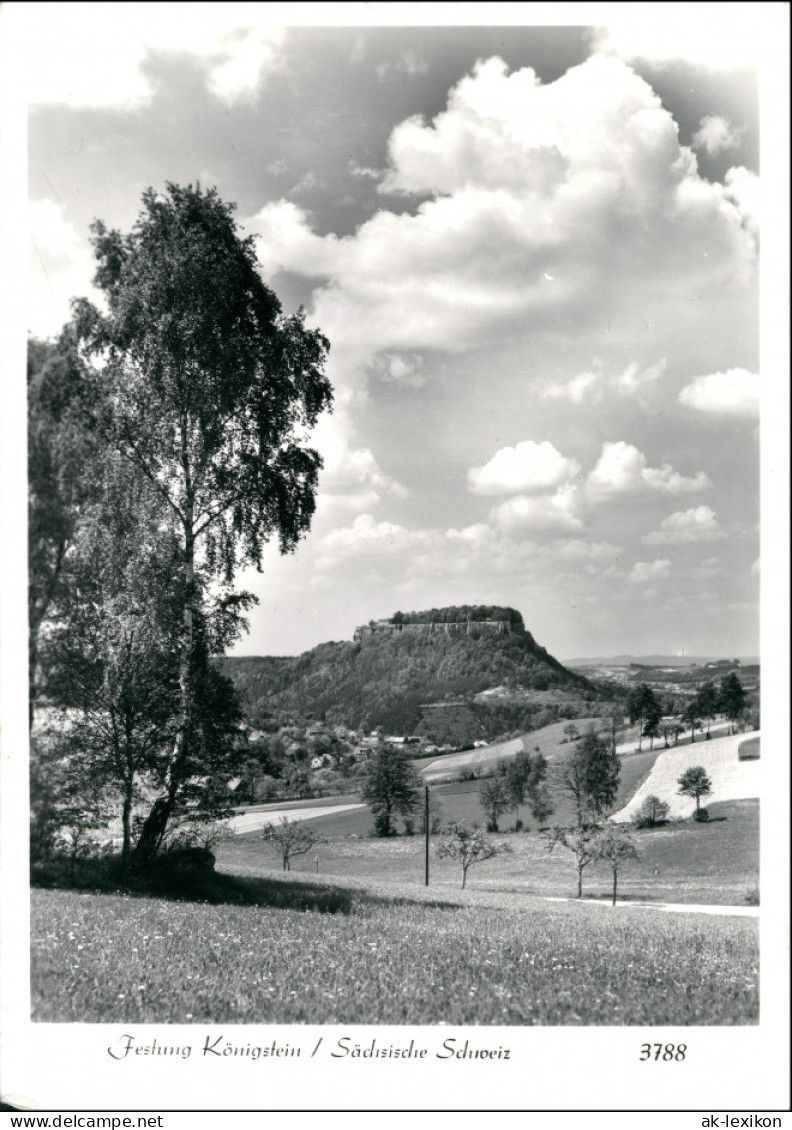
x,y
589,777
671,730
291,837
581,840
615,846
391,787
525,780
614,721
732,699
469,846
495,800
695,783
692,716
642,706
652,811
707,702
651,725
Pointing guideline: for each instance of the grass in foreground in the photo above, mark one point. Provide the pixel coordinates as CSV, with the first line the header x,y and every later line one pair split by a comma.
x,y
392,959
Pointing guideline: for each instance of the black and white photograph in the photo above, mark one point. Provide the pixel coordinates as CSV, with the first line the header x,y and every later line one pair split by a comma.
x,y
387,399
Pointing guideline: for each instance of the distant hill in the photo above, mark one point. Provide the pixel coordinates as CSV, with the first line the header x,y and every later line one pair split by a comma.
x,y
656,660
395,666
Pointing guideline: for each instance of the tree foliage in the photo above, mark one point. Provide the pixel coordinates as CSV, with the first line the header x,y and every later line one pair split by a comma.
x,y
579,839
589,777
615,846
652,811
643,707
691,715
62,472
68,801
391,787
707,702
651,726
291,837
524,783
206,391
494,799
732,698
695,783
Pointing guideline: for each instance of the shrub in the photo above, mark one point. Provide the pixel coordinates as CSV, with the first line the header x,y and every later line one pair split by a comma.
x,y
653,811
752,897
701,815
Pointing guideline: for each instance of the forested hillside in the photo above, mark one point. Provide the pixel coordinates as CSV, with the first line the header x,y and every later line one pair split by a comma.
x,y
383,680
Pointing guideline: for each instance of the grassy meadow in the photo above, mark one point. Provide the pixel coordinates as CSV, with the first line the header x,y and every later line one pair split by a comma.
x,y
360,939
468,958
714,863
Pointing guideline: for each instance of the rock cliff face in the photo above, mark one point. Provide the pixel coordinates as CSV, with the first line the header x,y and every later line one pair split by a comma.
x,y
452,628
457,620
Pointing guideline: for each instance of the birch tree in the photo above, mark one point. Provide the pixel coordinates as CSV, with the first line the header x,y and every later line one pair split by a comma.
x,y
208,392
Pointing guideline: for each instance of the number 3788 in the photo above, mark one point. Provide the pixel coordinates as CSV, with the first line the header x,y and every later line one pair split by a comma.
x,y
665,1052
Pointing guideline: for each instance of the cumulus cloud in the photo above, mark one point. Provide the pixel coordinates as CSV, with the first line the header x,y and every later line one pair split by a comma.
x,y
698,524
61,267
592,551
547,513
108,45
733,393
716,134
368,537
718,45
401,369
592,384
410,63
545,203
645,571
742,187
526,468
622,469
636,377
351,478
586,385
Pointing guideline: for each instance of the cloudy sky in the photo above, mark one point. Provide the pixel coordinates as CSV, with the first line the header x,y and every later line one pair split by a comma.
x,y
534,252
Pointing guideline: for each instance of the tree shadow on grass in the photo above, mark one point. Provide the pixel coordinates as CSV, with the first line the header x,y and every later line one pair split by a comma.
x,y
205,885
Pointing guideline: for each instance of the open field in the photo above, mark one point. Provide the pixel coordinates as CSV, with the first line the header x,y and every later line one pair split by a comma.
x,y
732,779
255,819
472,959
716,863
